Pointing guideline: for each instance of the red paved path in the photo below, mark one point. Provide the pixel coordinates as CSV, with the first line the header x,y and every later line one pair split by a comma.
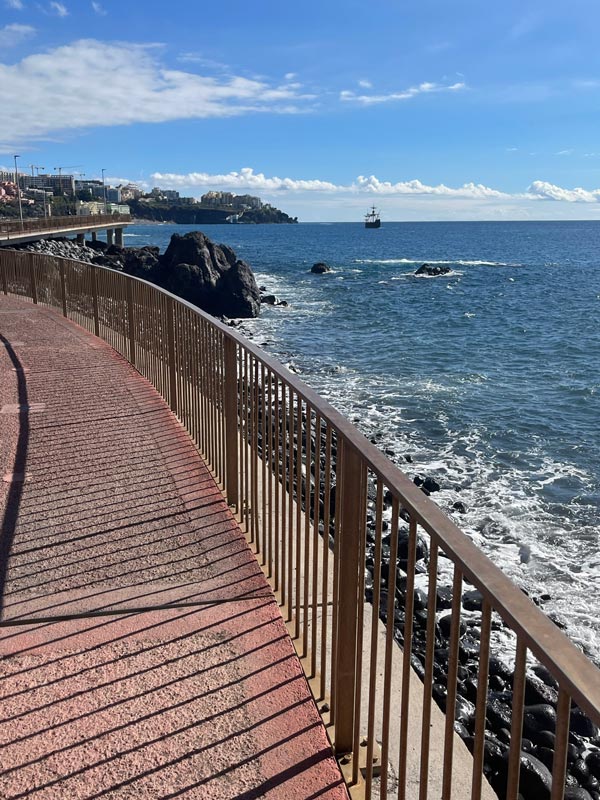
x,y
108,515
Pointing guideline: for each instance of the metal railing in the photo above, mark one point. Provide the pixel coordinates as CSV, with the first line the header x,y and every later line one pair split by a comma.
x,y
352,548
36,224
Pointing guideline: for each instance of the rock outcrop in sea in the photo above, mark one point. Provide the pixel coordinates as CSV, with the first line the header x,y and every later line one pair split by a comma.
x,y
320,267
432,271
193,267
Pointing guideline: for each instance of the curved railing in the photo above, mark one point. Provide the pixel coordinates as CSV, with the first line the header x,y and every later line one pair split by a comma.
x,y
317,501
36,224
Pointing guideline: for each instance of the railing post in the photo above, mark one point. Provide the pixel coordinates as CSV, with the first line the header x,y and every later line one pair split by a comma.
x,y
131,320
31,259
171,351
63,286
351,484
231,422
95,301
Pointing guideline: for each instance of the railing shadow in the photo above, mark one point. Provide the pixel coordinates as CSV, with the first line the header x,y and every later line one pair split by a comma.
x,y
15,491
182,711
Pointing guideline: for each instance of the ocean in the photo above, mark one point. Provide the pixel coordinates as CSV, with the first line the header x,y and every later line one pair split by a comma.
x,y
487,378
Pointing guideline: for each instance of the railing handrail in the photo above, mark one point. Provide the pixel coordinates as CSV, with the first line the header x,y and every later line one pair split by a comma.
x,y
56,223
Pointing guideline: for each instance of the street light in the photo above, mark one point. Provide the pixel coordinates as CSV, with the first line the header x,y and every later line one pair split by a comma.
x,y
104,191
19,192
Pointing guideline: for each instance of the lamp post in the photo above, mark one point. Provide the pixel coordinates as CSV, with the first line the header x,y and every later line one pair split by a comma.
x,y
19,192
104,191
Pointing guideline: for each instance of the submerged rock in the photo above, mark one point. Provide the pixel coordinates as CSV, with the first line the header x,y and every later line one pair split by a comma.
x,y
320,267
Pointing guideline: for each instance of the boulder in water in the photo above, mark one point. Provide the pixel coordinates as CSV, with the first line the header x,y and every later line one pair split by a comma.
x,y
209,275
320,267
432,270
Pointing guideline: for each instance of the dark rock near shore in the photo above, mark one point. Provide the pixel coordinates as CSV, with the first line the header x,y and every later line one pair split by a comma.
x,y
535,779
209,275
540,717
537,692
428,269
472,600
582,724
576,793
272,300
593,761
320,267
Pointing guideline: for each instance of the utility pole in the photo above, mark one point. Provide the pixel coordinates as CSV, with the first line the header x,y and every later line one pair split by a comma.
x,y
19,192
104,191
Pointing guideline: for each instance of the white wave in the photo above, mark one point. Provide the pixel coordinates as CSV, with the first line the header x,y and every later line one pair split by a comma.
x,y
454,273
461,262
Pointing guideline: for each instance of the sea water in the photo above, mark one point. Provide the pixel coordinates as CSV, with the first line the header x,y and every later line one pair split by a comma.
x,y
487,377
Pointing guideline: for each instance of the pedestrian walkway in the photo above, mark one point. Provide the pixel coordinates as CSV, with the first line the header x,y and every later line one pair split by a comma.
x,y
142,652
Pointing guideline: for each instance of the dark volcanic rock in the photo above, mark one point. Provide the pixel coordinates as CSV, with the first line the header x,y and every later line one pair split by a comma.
x,y
535,779
320,267
540,717
272,300
582,724
428,269
209,275
576,793
431,485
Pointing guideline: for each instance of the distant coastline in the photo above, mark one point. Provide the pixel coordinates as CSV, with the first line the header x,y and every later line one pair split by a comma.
x,y
196,214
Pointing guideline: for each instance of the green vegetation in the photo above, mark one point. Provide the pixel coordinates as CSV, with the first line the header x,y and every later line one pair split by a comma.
x,y
267,214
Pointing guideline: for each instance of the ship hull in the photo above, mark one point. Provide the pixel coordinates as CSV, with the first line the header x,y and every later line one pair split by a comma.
x,y
376,224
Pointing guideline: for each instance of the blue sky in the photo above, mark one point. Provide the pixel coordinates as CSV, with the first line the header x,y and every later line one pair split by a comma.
x,y
429,109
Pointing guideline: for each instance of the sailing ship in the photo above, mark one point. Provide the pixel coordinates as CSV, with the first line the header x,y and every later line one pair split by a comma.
x,y
372,219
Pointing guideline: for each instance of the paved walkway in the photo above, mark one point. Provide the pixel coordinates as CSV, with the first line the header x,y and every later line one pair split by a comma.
x,y
142,652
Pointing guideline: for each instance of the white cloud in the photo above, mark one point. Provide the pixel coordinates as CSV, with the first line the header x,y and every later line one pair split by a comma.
x,y
59,9
511,149
12,35
564,153
541,190
289,76
130,85
15,4
375,186
248,179
98,9
406,94
365,84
